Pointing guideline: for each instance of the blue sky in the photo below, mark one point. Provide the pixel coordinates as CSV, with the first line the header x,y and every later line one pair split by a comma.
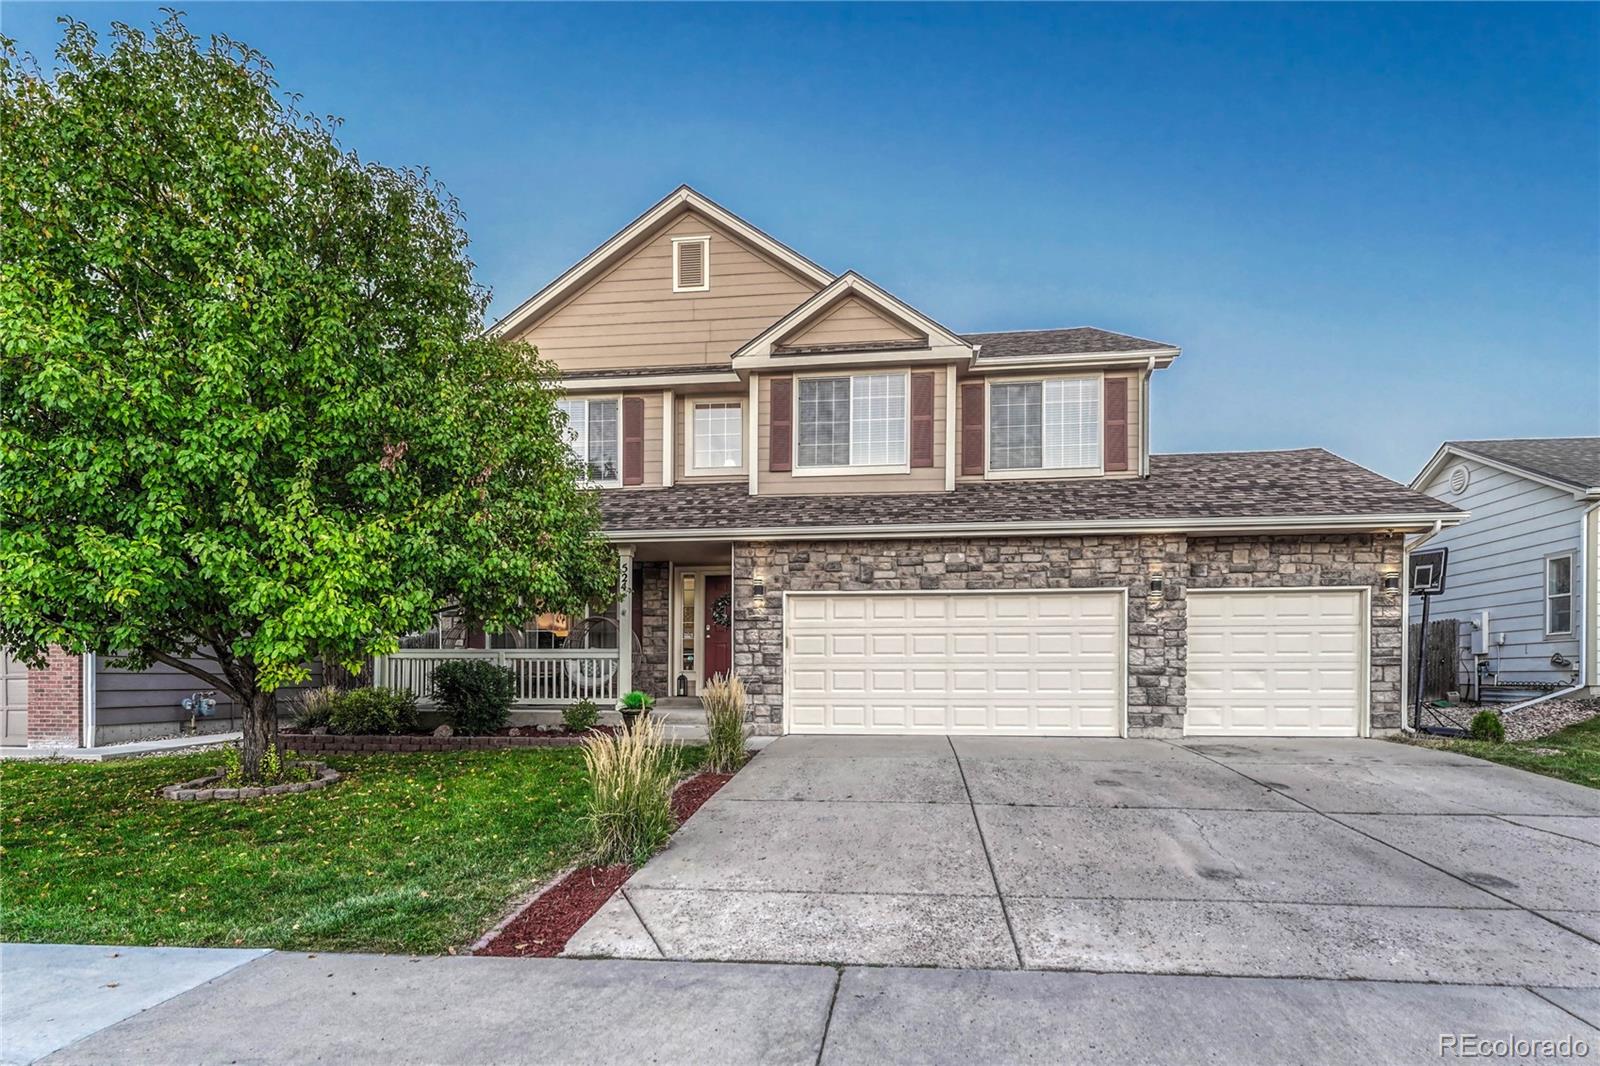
x,y
1371,228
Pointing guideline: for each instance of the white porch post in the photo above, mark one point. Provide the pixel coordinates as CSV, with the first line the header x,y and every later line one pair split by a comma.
x,y
625,621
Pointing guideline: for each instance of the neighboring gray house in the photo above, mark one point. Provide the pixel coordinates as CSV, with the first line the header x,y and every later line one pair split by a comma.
x,y
1525,556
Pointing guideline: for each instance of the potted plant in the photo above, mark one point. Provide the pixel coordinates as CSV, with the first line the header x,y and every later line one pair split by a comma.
x,y
634,704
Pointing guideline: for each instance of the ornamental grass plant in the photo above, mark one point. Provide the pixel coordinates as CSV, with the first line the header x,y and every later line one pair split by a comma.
x,y
630,809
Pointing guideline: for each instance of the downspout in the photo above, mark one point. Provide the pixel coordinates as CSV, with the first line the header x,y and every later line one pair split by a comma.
x,y
1582,628
1144,416
86,689
1405,620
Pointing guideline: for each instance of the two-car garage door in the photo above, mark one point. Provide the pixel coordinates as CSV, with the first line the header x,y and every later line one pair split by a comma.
x,y
1279,662
1037,662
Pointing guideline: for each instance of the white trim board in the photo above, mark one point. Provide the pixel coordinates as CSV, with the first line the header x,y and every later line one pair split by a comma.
x,y
1398,523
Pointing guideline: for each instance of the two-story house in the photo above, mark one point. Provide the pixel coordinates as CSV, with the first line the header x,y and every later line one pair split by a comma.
x,y
886,526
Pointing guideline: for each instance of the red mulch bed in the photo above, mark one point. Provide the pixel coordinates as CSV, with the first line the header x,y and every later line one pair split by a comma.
x,y
695,791
543,929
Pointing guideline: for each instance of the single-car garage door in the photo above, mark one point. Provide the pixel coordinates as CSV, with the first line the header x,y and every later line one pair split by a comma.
x,y
1037,662
1278,662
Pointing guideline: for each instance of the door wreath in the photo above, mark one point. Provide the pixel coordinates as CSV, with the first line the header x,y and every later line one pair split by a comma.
x,y
722,611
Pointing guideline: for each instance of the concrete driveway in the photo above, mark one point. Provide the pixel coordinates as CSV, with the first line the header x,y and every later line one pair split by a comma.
x,y
1342,859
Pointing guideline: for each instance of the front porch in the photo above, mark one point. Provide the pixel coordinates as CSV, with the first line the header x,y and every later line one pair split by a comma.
x,y
675,605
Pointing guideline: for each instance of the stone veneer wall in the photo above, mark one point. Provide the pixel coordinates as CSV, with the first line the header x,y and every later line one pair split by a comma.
x,y
1157,625
656,627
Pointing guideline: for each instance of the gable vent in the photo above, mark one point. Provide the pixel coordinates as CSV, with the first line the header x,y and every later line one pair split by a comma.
x,y
1460,478
690,264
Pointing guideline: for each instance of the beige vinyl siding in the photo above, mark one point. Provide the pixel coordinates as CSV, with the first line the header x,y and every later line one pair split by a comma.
x,y
1135,417
685,405
630,316
851,321
919,479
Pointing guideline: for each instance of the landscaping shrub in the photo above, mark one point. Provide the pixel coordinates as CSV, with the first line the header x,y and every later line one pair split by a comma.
x,y
723,699
314,708
1486,725
630,806
363,711
475,694
581,716
638,701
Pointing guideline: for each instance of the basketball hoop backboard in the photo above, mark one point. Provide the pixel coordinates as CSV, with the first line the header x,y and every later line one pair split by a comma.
x,y
1427,571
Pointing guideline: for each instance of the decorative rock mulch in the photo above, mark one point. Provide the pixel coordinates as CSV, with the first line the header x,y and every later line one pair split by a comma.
x,y
1530,723
543,925
1548,717
204,790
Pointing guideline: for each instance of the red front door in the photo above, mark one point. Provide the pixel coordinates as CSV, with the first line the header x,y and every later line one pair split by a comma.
x,y
718,635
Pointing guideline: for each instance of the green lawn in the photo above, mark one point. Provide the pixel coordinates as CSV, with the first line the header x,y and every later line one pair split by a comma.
x,y
409,853
1574,753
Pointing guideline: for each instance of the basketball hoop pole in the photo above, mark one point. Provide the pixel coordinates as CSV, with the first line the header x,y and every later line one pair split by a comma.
x,y
1422,664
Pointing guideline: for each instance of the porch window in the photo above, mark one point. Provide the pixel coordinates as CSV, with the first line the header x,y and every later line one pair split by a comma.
x,y
716,432
1558,595
855,421
1052,424
592,437
449,630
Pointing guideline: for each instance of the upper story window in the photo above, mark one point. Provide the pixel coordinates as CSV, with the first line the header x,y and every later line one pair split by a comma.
x,y
715,435
592,437
853,421
1048,425
691,264
1558,595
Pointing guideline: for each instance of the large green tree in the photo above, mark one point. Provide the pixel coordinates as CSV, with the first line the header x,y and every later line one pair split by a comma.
x,y
248,416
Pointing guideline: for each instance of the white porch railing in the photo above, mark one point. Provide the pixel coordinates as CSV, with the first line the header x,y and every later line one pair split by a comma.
x,y
544,678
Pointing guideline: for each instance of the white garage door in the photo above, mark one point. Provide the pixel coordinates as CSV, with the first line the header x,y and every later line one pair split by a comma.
x,y
1283,663
1048,663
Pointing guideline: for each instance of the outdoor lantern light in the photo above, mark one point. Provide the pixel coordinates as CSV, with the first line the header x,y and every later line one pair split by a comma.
x,y
1391,582
1158,584
758,586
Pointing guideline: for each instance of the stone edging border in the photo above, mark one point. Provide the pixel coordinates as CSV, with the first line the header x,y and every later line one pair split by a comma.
x,y
203,790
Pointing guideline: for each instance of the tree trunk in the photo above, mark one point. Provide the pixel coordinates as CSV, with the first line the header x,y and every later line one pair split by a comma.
x,y
260,731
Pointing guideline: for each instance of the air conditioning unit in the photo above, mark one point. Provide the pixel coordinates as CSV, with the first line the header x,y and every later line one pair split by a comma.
x,y
1480,634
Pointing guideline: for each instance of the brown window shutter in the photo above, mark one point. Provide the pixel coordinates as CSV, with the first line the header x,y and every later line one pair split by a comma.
x,y
633,440
780,425
921,419
1116,412
972,423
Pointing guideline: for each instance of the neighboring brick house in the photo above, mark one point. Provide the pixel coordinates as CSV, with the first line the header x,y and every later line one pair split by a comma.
x,y
885,526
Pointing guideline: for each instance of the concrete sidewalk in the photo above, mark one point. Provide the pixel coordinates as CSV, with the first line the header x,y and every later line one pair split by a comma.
x,y
53,994
302,1008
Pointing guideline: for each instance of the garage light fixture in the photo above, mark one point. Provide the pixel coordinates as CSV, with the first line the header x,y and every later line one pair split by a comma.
x,y
1391,582
758,586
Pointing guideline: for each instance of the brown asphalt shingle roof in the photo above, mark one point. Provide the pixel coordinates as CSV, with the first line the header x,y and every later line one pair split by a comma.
x,y
1077,341
1305,483
1572,461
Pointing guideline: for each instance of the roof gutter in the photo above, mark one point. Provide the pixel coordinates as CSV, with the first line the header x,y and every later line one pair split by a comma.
x,y
944,530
